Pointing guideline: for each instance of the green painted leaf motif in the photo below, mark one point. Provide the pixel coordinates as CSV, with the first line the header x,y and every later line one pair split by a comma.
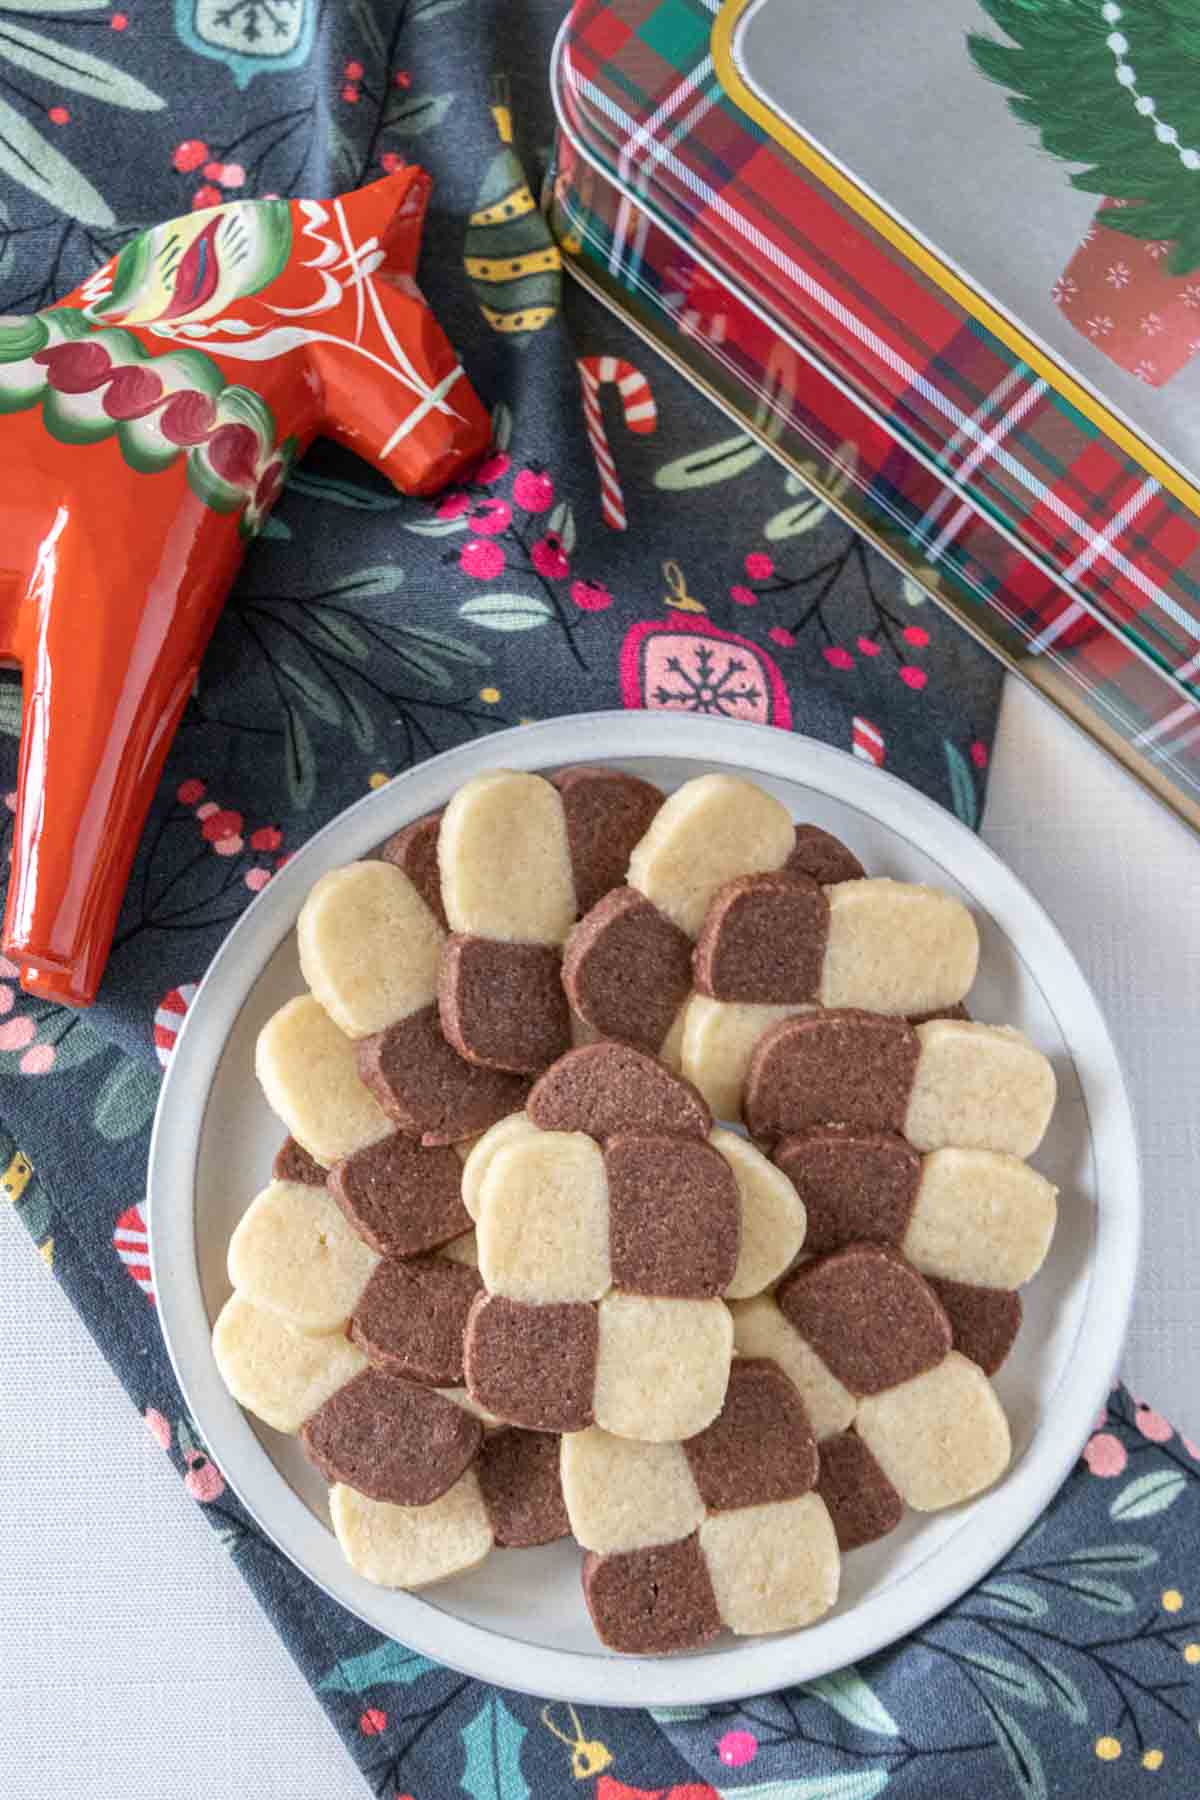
x,y
962,785
492,1754
50,59
388,1662
1149,1494
1020,1753
501,414
858,1704
1113,1559
912,593
716,462
342,155
51,6
421,663
361,721
340,633
28,159
184,1438
1104,1596
677,1715
76,1043
435,528
413,115
860,1784
1063,1691
367,27
300,764
364,584
10,708
126,1101
425,10
455,649
506,612
794,521
1015,1598
1012,1678
562,521
341,493
317,695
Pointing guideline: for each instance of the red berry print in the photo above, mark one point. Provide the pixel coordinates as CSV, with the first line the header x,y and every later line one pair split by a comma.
x,y
350,94
549,558
453,506
916,634
203,1481
213,171
208,195
389,162
779,634
373,1722
591,596
869,647
354,71
758,566
743,596
911,676
493,467
481,558
119,21
491,516
837,658
220,824
402,78
190,793
267,837
58,115
737,1748
533,491
189,155
979,754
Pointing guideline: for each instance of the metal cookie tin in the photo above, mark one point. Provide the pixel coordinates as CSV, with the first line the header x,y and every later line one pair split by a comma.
x,y
847,228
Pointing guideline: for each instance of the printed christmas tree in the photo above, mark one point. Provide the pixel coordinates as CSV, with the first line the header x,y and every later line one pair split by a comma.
x,y
1114,86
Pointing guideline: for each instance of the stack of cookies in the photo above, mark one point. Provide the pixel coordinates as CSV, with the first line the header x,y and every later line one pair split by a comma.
x,y
646,1182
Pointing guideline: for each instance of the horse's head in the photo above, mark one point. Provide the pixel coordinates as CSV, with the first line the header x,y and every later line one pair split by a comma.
x,y
328,284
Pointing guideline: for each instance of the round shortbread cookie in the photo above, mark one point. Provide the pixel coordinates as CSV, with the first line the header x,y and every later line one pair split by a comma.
x,y
823,857
308,1070
544,1219
705,833
426,1088
519,1481
401,1197
869,1317
862,1502
654,1601
279,1374
984,1321
774,1567
624,1495
412,1546
981,1218
763,941
414,851
939,1438
390,1439
857,1187
760,1329
674,1216
978,1087
604,1088
772,1216
295,1253
411,1318
505,861
760,1448
896,947
369,947
718,1037
479,1159
533,1366
606,813
502,1005
627,970
662,1366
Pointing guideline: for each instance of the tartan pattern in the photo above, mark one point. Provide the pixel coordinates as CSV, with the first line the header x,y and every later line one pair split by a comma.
x,y
1048,535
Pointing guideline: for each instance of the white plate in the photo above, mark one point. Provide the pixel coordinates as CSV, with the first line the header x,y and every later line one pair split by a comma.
x,y
520,1620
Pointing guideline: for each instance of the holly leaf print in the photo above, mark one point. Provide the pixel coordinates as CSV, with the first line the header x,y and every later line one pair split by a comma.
x,y
1020,1753
319,698
1014,1598
716,462
27,158
1149,1494
298,758
388,1662
1013,1680
1114,1559
492,1754
68,67
794,521
342,493
962,785
507,612
378,581
126,1101
413,115
859,1705
677,1715
562,522
1103,1596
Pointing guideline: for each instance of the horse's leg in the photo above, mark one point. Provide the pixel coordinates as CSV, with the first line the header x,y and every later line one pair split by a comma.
x,y
107,674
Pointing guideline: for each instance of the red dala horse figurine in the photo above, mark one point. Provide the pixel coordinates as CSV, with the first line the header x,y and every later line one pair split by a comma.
x,y
149,422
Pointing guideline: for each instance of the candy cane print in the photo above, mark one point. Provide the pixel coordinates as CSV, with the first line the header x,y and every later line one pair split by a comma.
x,y
641,415
867,741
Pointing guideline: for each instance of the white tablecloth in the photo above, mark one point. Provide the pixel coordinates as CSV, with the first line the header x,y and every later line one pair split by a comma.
x,y
134,1664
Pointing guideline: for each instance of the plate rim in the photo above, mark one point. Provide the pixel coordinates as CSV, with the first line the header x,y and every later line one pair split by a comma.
x,y
747,1666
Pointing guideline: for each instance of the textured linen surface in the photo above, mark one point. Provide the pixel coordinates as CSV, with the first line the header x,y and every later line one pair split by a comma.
x,y
368,631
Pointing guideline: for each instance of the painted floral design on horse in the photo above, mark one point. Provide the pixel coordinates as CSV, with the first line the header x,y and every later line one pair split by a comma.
x,y
193,268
